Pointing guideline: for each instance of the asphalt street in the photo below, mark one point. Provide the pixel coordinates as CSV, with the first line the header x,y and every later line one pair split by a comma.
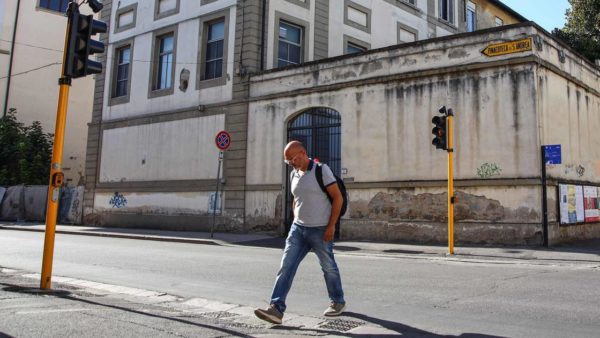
x,y
425,295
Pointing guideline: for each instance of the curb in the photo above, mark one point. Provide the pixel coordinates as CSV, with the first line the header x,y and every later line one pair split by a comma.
x,y
125,236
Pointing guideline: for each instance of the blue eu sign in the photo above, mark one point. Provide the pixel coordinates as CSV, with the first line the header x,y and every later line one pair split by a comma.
x,y
552,154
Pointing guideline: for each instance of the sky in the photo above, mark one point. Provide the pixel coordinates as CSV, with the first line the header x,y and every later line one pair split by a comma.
x,y
549,14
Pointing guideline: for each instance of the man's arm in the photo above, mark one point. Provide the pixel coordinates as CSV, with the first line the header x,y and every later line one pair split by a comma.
x,y
336,207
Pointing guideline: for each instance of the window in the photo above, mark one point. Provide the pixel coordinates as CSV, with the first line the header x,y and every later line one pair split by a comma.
x,y
353,48
164,62
412,2
55,5
290,44
406,36
357,16
471,16
165,8
446,10
214,50
406,33
212,54
499,22
125,17
123,57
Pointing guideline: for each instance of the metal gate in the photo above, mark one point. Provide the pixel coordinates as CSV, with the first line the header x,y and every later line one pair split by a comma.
x,y
319,130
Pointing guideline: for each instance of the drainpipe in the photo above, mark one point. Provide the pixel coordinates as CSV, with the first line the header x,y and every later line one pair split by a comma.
x,y
12,53
262,36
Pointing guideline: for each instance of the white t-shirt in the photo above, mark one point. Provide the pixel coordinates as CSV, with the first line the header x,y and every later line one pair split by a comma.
x,y
312,206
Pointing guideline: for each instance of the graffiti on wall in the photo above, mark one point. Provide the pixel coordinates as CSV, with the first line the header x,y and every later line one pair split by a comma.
x,y
488,170
577,169
118,200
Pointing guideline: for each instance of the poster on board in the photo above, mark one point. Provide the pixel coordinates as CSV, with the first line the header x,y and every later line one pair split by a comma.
x,y
579,204
568,204
571,204
590,204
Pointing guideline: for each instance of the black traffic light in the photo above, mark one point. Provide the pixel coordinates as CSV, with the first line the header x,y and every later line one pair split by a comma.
x,y
439,130
80,44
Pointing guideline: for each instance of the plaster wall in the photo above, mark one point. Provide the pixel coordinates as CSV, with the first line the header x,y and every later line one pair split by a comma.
x,y
175,150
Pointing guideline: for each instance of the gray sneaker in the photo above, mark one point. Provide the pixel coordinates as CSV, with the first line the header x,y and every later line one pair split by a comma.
x,y
270,314
335,309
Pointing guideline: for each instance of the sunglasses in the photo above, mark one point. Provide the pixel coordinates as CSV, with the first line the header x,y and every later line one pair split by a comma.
x,y
291,160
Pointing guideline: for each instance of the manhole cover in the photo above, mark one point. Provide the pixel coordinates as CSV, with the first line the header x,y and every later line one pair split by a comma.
x,y
218,314
340,325
235,325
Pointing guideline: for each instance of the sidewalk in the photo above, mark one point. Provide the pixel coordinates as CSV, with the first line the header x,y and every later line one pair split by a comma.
x,y
79,308
587,253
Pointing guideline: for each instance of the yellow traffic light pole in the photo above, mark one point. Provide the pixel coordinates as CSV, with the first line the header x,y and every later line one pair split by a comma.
x,y
56,174
451,199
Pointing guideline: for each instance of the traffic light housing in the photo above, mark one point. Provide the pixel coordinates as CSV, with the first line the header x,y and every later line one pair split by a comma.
x,y
440,130
80,44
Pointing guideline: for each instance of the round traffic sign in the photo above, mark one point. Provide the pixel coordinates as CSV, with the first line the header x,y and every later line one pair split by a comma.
x,y
223,140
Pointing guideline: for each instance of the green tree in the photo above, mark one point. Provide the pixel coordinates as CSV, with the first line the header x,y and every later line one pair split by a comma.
x,y
25,153
582,28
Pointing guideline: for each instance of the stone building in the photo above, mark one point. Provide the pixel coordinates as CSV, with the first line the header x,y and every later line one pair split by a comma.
x,y
268,71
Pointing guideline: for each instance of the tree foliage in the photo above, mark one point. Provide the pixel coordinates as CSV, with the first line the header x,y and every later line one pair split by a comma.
x,y
25,153
582,28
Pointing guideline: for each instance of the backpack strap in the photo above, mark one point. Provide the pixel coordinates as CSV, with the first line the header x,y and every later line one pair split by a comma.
x,y
319,176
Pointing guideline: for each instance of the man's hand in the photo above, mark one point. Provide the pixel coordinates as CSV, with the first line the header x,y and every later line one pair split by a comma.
x,y
336,206
329,232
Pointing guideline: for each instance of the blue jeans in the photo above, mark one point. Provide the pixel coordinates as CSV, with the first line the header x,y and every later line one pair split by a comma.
x,y
299,242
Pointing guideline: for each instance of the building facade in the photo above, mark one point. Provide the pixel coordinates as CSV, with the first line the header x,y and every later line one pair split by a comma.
x,y
32,36
177,72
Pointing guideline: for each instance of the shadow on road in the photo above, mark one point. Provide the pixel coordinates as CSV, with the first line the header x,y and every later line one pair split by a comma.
x,y
398,328
67,295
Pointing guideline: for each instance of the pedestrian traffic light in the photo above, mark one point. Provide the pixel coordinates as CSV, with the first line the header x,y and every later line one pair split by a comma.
x,y
80,44
439,130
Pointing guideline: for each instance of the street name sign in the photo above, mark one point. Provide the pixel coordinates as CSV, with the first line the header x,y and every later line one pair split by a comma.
x,y
509,47
552,154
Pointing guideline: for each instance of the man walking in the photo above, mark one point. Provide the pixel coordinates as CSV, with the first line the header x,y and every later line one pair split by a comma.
x,y
313,228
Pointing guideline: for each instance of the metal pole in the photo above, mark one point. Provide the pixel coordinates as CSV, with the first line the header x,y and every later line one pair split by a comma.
x,y
212,228
544,200
450,185
56,174
10,62
56,182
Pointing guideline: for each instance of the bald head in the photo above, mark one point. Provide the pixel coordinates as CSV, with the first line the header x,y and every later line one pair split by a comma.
x,y
293,147
295,155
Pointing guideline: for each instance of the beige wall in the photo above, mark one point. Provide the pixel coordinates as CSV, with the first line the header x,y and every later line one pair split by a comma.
x,y
506,107
34,84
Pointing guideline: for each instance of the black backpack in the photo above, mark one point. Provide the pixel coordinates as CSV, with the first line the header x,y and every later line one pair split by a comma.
x,y
340,183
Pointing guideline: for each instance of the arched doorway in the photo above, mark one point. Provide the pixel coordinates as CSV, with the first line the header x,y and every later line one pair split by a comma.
x,y
319,129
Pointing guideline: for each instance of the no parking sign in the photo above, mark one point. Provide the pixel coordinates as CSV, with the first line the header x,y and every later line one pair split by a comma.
x,y
223,140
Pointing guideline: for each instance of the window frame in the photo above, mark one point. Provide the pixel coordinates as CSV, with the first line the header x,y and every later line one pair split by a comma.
x,y
115,100
356,42
451,9
158,15
472,10
355,6
48,9
400,25
152,92
305,3
305,26
121,11
496,19
205,21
